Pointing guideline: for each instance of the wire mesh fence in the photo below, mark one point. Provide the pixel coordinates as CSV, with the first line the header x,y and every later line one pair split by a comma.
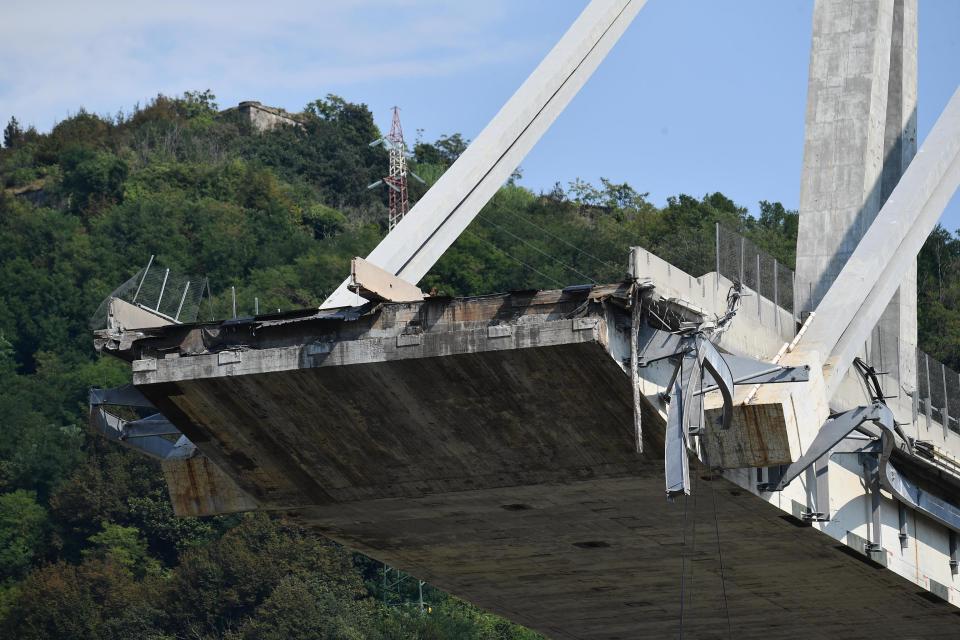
x,y
938,392
906,372
692,253
125,292
174,296
951,410
740,260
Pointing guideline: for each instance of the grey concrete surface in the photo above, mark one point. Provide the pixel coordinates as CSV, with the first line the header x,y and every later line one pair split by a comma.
x,y
486,445
860,137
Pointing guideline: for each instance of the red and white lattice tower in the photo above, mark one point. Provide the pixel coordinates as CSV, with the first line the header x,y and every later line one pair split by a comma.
x,y
397,180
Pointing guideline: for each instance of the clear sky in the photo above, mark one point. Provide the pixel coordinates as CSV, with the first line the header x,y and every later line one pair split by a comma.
x,y
698,96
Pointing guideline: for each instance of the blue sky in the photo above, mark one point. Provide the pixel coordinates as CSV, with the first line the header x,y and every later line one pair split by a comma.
x,y
699,95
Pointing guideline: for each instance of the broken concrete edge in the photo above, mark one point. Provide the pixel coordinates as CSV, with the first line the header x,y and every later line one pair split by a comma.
x,y
402,331
373,283
405,331
380,320
199,487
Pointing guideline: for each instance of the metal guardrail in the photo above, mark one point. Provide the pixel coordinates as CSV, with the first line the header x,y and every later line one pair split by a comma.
x,y
156,288
938,392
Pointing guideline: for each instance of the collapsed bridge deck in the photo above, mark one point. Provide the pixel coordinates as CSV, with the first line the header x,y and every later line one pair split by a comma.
x,y
487,445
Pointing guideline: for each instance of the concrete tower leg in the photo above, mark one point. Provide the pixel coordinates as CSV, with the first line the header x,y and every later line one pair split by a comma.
x,y
860,137
898,326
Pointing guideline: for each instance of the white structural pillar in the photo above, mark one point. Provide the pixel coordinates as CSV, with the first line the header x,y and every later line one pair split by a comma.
x,y
869,279
412,248
860,137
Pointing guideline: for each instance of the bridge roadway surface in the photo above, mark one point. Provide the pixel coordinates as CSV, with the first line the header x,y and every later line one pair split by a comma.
x,y
499,465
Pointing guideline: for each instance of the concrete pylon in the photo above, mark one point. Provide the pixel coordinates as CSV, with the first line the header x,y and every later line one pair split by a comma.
x,y
860,137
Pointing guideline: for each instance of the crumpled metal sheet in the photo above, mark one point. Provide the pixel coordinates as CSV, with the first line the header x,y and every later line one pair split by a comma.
x,y
345,314
125,396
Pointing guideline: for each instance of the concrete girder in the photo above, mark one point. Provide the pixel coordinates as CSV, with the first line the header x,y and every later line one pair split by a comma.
x,y
438,219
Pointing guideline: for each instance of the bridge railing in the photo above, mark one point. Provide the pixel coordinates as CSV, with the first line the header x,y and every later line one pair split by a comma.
x,y
905,369
737,258
938,392
160,290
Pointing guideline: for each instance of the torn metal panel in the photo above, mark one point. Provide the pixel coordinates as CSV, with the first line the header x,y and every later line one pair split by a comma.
x,y
675,459
112,427
155,425
940,509
125,396
713,363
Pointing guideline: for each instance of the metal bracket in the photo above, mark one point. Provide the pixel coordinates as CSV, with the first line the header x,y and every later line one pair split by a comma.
x,y
814,516
831,433
146,435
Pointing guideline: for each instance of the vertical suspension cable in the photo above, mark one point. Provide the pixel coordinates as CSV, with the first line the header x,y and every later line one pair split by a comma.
x,y
693,532
683,564
723,582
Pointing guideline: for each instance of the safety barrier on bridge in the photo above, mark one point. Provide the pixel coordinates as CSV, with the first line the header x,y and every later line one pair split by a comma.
x,y
171,295
938,392
740,259
904,368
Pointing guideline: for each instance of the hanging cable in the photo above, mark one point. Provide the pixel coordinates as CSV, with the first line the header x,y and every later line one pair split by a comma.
x,y
693,532
534,269
723,582
683,563
537,249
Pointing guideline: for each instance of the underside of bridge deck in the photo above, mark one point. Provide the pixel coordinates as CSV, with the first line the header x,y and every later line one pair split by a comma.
x,y
487,445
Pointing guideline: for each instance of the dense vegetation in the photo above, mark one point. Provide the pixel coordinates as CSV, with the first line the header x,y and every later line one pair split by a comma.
x,y
89,547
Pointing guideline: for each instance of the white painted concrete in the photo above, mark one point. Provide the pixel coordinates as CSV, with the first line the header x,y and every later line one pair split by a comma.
x,y
438,219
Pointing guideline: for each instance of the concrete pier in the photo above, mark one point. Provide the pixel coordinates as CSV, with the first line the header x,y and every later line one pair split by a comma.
x,y
860,137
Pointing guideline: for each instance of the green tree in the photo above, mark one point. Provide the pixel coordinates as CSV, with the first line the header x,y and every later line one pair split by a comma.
x,y
92,178
123,546
12,134
23,533
199,104
96,600
307,608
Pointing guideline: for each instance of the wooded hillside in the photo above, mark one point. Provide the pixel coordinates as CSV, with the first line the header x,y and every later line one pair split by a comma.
x,y
89,547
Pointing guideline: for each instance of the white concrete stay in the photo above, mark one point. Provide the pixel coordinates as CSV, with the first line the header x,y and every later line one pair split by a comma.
x,y
438,219
854,303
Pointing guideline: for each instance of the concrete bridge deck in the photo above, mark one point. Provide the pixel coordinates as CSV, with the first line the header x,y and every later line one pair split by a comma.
x,y
487,445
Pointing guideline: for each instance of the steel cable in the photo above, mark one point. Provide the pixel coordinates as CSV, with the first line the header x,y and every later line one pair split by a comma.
x,y
537,249
534,269
683,564
723,582
569,244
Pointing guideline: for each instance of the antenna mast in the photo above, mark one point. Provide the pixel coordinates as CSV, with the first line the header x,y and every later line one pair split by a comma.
x,y
397,180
